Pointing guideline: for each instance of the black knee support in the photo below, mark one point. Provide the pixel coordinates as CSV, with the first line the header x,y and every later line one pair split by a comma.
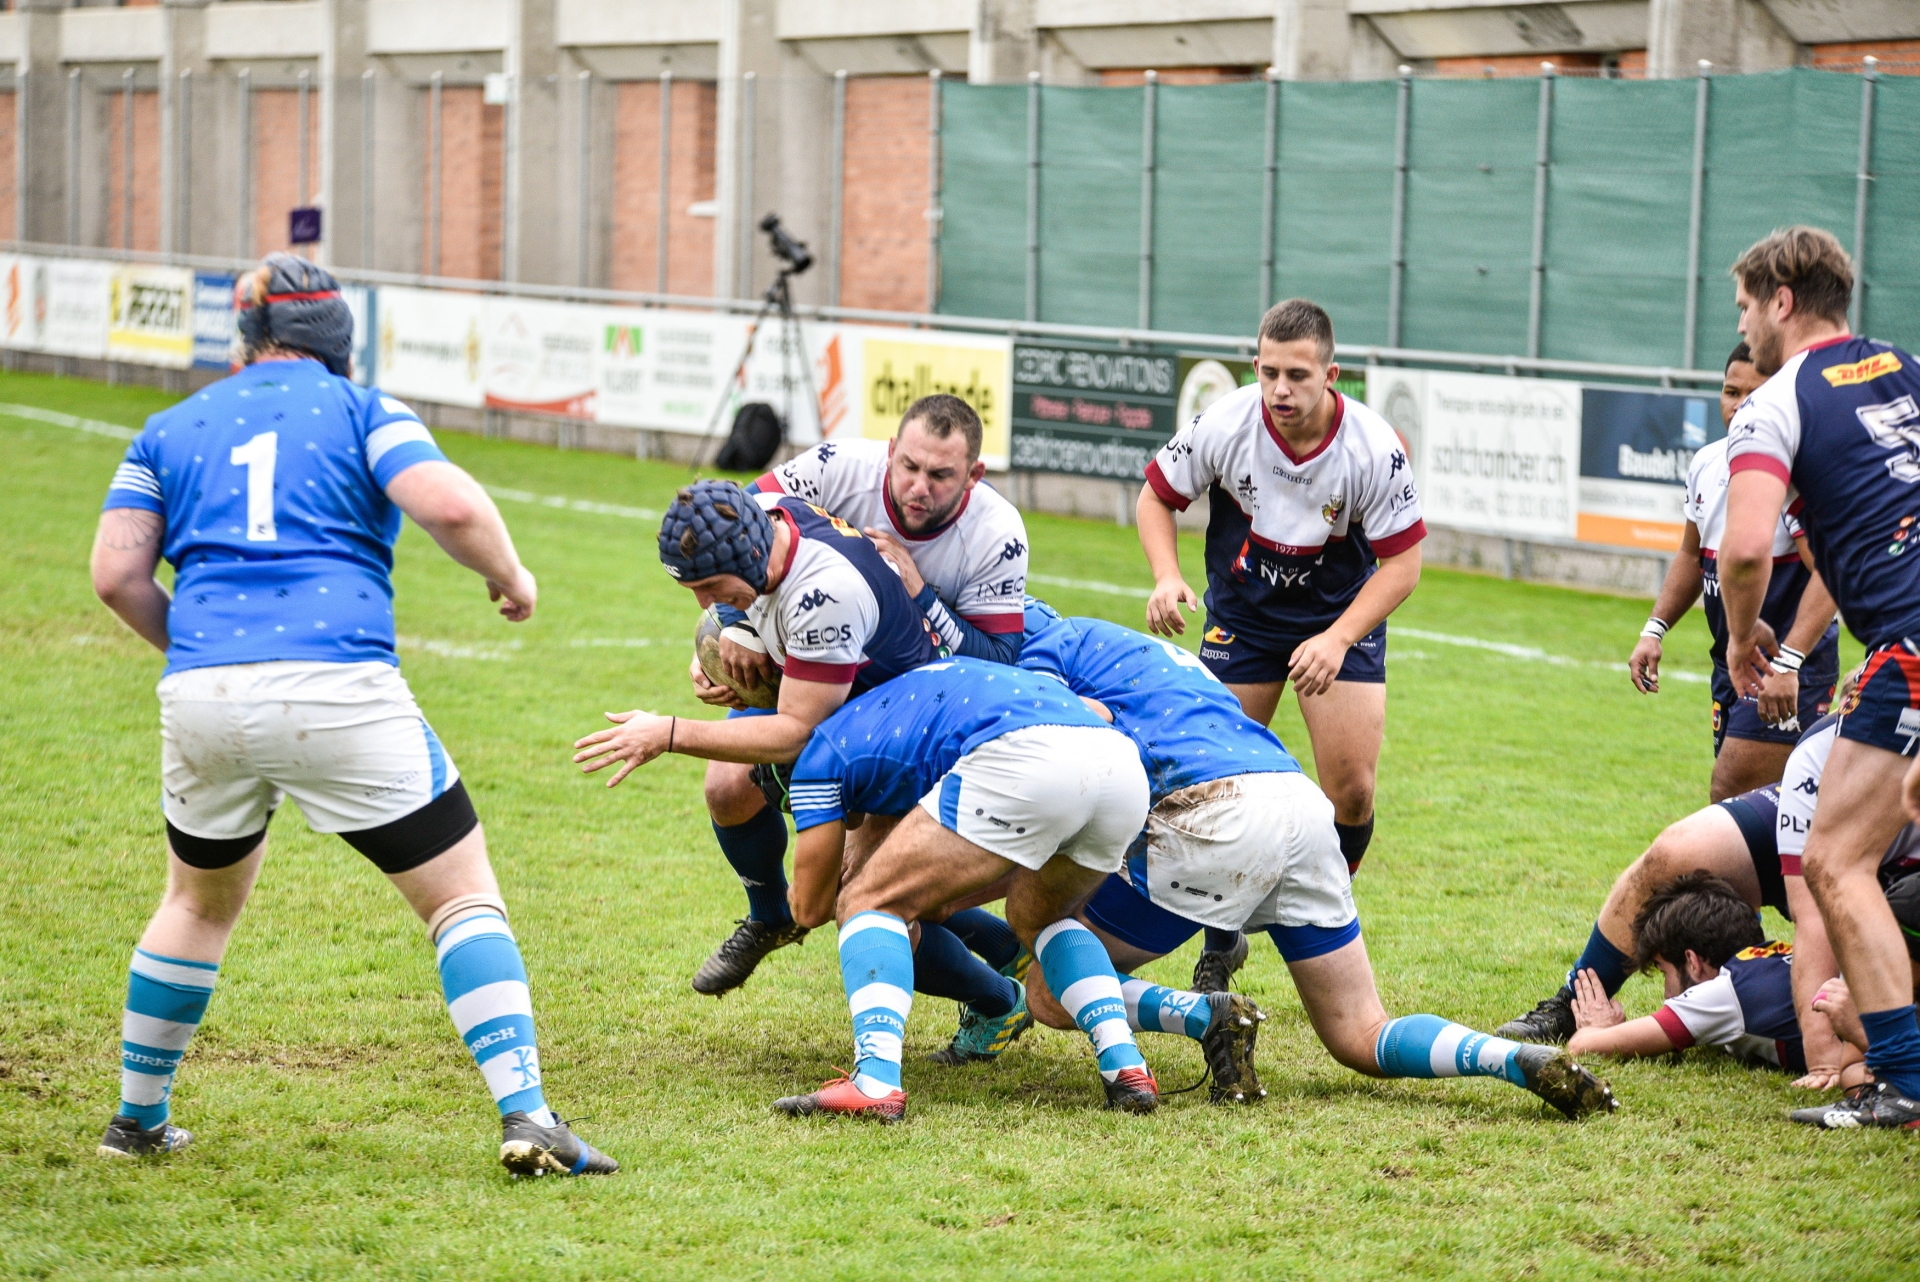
x,y
211,853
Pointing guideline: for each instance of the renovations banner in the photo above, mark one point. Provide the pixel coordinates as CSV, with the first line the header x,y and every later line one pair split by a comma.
x,y
1091,411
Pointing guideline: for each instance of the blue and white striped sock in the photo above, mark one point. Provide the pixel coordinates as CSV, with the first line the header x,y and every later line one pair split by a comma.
x,y
1152,1008
486,989
1428,1046
166,997
876,965
1082,979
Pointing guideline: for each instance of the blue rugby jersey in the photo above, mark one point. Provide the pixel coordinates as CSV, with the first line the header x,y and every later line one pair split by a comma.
x,y
1188,726
886,749
272,486
1840,424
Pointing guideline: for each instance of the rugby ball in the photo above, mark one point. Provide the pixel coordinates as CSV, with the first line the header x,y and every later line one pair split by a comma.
x,y
706,646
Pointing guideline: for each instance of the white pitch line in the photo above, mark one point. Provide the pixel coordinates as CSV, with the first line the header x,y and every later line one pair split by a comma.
x,y
455,650
572,505
33,413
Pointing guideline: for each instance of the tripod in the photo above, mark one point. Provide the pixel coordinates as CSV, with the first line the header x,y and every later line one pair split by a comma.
x,y
778,299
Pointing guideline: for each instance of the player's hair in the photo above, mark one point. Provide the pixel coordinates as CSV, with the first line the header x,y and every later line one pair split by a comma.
x,y
1807,261
942,415
1698,911
1740,355
1299,318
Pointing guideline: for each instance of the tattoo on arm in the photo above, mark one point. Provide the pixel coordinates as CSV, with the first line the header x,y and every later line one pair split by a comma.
x,y
128,529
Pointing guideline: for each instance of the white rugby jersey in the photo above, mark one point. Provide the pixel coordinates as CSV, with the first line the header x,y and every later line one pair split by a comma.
x,y
1800,793
1706,504
1290,540
976,563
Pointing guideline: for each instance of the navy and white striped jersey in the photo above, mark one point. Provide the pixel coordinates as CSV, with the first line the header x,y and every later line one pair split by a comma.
x,y
1746,1010
885,750
272,486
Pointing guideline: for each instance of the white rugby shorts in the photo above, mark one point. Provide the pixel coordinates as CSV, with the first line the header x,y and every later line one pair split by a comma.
x,y
1247,852
345,740
1077,791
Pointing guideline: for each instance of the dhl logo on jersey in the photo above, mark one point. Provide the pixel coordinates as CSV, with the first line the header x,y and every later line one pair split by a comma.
x,y
1764,950
1219,636
840,526
1861,371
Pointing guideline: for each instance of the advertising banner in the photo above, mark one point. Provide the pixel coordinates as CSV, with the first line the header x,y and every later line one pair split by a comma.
x,y
1635,448
78,296
430,345
664,370
1089,411
152,314
360,302
1493,455
213,329
538,357
899,366
23,302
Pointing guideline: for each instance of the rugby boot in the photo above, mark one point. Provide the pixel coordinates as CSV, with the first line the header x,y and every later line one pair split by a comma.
x,y
1874,1105
982,1037
528,1148
735,959
1214,971
1133,1090
841,1096
126,1138
1228,1046
1554,1077
1016,970
1550,1023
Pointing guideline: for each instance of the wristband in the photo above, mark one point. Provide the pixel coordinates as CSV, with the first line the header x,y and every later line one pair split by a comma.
x,y
1788,659
1656,628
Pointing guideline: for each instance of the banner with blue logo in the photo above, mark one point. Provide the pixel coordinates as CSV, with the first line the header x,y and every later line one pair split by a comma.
x,y
213,323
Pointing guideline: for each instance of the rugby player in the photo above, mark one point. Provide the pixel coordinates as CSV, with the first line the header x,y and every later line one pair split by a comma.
x,y
1835,1001
1726,986
276,495
1751,735
1307,490
834,618
1239,839
1005,784
1836,430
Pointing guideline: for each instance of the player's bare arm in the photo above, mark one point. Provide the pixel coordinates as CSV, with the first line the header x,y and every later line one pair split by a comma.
x,y
126,551
1160,540
460,516
639,737
1754,499
1678,592
1316,662
1780,693
1602,1026
1813,966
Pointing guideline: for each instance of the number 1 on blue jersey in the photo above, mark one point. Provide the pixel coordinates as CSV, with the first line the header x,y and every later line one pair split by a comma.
x,y
258,456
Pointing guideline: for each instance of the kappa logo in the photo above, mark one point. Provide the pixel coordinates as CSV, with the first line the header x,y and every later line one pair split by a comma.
x,y
1808,785
1396,462
817,597
1013,550
526,1063
826,451
1861,371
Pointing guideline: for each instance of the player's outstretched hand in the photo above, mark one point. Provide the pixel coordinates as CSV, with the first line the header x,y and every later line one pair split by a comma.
x,y
1314,665
1592,1008
896,552
636,739
520,596
1643,666
1163,607
711,692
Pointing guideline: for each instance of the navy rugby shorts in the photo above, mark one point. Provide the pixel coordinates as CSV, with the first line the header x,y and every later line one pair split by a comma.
x,y
1735,717
1884,708
1756,813
1240,661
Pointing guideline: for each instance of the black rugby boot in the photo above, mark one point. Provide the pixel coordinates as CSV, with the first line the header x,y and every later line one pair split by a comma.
x,y
1550,1023
735,959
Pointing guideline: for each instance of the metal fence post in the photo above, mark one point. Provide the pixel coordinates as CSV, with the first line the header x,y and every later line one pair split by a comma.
x,y
936,210
1149,129
1269,194
1396,286
1857,313
126,159
366,167
744,222
183,168
73,157
1033,195
584,200
836,185
434,104
665,212
1696,211
1543,155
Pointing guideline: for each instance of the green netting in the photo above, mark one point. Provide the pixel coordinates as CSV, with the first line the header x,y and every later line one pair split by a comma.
x,y
1782,147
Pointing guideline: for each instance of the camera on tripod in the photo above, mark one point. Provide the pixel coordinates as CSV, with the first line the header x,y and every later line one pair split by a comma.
x,y
794,253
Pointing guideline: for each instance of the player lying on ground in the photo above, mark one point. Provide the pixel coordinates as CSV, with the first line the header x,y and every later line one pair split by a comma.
x,y
833,617
1306,489
1726,986
1752,734
1834,429
276,494
1836,1003
1239,839
1005,784
1753,843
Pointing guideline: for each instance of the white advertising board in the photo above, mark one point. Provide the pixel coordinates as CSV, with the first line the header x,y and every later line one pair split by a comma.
x,y
79,303
23,302
539,357
430,344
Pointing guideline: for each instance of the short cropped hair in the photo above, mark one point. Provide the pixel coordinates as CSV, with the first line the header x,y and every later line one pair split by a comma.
x,y
1807,261
1740,355
1700,912
942,415
1298,318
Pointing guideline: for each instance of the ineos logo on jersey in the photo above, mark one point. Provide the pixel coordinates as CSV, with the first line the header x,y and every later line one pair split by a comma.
x,y
821,638
817,597
1400,498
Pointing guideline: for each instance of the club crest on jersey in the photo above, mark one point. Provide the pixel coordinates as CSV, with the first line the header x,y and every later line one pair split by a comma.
x,y
1764,950
1861,371
1333,508
840,527
1219,636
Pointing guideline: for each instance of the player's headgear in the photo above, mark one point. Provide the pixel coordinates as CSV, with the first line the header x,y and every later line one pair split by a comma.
x,y
1903,897
289,302
715,527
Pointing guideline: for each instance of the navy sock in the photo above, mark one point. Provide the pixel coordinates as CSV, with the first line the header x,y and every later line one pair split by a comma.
x,y
1354,840
1220,941
986,935
1604,960
757,849
942,967
1893,1048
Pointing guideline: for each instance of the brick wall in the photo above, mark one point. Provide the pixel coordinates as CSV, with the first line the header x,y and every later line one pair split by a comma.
x,y
635,254
6,166
471,161
276,162
1897,57
883,258
146,170
1180,75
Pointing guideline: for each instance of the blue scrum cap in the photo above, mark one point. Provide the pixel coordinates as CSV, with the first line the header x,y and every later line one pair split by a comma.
x,y
715,527
301,308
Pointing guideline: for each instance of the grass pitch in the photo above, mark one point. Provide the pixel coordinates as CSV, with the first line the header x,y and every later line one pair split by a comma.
x,y
342,1130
